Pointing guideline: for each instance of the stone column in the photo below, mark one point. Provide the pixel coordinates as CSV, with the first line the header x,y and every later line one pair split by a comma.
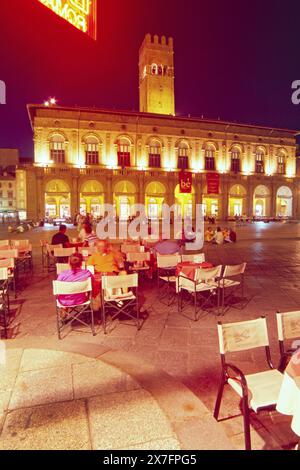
x,y
75,196
250,197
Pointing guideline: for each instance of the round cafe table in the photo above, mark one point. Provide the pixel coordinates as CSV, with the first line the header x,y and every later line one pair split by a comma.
x,y
289,397
188,269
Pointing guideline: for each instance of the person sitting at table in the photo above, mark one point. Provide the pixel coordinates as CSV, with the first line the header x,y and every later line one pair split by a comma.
x,y
105,260
226,235
61,238
218,237
75,274
209,235
90,237
232,235
167,247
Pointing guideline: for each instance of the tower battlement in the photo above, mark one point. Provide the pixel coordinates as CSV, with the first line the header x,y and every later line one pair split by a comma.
x,y
158,42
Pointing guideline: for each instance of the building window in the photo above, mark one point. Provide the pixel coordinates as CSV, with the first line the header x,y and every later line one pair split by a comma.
x,y
10,185
210,159
281,166
57,150
1,193
235,161
259,162
92,154
183,158
124,155
10,204
154,156
10,194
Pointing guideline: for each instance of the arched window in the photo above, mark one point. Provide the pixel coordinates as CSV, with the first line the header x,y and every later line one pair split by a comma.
x,y
281,163
154,69
235,160
160,70
91,151
210,164
154,155
124,153
183,156
57,149
259,161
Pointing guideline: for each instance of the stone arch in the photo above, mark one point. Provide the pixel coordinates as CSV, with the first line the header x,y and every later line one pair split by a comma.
x,y
91,137
183,142
122,138
57,199
155,138
57,186
210,144
238,190
155,194
91,186
237,200
262,201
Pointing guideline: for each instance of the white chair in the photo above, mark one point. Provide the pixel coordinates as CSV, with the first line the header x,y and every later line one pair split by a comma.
x,y
51,261
205,286
61,267
4,300
198,258
288,327
64,252
139,262
132,248
120,296
20,244
4,243
258,391
73,313
166,270
87,251
233,279
9,264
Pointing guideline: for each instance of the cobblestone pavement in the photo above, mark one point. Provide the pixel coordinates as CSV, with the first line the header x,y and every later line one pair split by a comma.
x,y
185,349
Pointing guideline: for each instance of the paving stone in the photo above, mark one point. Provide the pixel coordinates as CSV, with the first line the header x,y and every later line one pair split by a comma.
x,y
41,387
97,378
113,416
60,426
34,359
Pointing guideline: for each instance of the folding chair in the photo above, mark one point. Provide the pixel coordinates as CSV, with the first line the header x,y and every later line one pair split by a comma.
x,y
7,256
62,255
198,258
24,253
61,267
76,312
43,245
139,262
10,265
132,248
5,247
51,261
233,279
4,243
166,270
87,251
205,286
258,391
4,300
288,326
116,304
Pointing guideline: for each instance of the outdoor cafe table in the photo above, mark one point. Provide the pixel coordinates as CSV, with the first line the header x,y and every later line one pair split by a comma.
x,y
289,397
189,269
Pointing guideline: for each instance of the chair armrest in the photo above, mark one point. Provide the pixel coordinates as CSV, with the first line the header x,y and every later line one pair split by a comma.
x,y
187,279
241,377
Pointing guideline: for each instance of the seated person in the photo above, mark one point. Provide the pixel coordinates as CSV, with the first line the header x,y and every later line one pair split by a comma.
x,y
218,237
209,235
232,236
226,233
61,238
105,260
167,247
74,274
90,237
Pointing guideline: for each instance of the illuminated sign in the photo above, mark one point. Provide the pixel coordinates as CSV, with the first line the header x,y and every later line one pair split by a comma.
x,y
80,13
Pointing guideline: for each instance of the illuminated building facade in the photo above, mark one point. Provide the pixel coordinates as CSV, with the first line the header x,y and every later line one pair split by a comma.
x,y
86,157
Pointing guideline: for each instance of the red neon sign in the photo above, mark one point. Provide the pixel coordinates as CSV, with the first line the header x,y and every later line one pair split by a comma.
x,y
82,14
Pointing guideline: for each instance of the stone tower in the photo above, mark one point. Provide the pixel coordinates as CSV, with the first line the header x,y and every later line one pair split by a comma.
x,y
156,66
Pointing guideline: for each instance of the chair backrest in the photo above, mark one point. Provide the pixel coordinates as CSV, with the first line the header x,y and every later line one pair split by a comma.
x,y
168,261
288,325
132,248
237,270
20,243
91,269
9,254
51,248
119,282
3,274
61,267
64,252
242,336
198,258
5,247
87,251
206,275
44,243
7,263
69,288
4,243
138,257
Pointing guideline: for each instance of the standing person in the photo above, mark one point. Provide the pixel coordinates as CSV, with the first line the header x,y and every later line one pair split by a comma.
x,y
90,237
61,238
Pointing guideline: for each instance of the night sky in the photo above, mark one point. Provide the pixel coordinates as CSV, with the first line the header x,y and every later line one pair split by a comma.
x,y
234,59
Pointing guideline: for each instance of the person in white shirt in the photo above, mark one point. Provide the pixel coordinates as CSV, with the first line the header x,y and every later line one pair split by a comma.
x,y
218,237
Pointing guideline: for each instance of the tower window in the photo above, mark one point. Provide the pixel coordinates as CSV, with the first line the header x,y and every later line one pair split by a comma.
x,y
281,166
154,69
